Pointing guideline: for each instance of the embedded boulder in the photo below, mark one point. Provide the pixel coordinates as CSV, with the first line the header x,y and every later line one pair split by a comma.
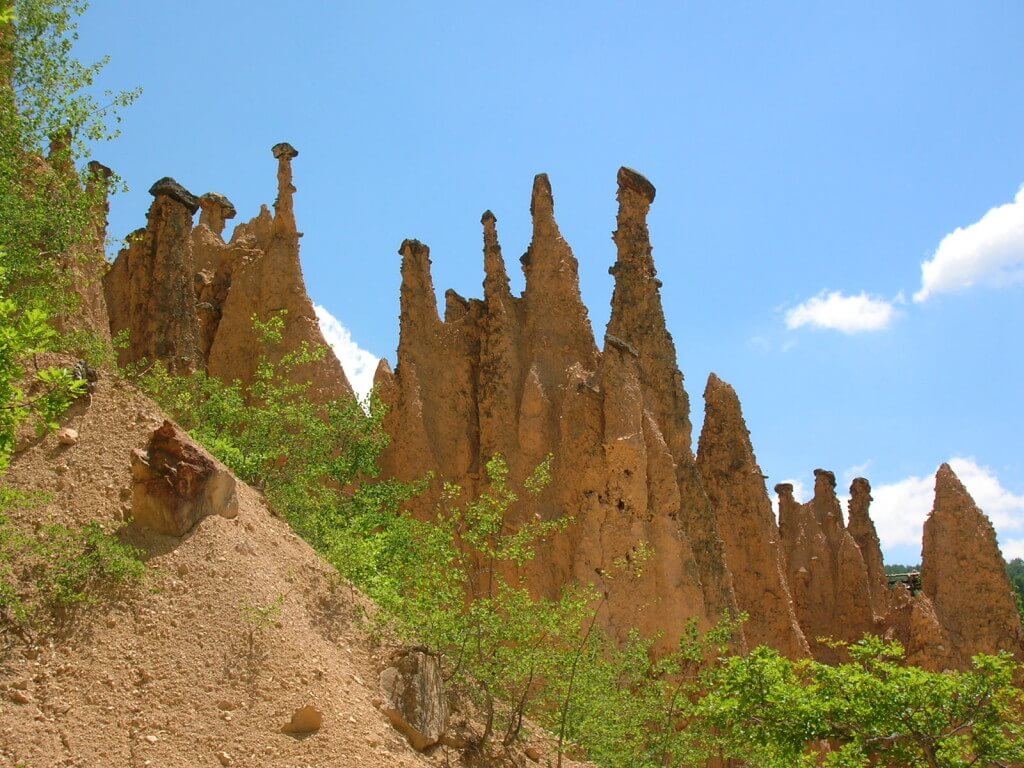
x,y
414,697
176,483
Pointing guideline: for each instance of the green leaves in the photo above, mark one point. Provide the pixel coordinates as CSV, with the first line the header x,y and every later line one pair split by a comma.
x,y
873,710
27,392
51,211
48,574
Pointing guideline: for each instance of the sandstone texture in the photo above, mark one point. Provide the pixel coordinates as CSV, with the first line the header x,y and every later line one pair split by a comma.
x,y
522,376
862,528
149,288
666,534
735,486
187,298
963,574
176,483
87,264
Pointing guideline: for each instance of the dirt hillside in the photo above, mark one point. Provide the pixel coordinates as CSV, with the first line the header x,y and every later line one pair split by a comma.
x,y
175,674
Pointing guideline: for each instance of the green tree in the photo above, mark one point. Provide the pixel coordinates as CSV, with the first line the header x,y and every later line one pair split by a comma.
x,y
873,711
309,459
48,118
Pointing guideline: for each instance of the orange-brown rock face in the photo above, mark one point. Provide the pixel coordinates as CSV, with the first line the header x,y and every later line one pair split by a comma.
x,y
638,318
964,575
734,484
266,278
827,574
521,376
863,531
149,288
188,298
841,591
88,264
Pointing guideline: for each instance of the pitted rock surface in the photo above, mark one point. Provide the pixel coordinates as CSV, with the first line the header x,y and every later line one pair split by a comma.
x,y
176,483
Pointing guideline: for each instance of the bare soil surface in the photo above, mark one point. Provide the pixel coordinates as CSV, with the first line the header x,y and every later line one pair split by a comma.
x,y
178,672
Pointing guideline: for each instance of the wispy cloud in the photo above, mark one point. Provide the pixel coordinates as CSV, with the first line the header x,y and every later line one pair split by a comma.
x,y
359,364
989,251
848,314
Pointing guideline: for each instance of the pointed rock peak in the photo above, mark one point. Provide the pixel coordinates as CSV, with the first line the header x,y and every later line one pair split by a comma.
x,y
456,306
542,203
491,244
417,284
383,377
97,184
172,189
496,283
723,414
718,390
947,480
635,182
414,251
951,497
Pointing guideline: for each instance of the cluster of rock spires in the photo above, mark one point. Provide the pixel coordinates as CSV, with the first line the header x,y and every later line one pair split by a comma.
x,y
187,298
666,533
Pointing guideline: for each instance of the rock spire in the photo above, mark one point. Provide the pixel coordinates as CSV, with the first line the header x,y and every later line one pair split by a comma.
x,y
964,575
187,297
735,485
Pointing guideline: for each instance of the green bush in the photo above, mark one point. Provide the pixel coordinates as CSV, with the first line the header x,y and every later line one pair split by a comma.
x,y
308,458
49,208
46,575
873,711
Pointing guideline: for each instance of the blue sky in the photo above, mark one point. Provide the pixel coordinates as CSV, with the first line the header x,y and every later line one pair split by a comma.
x,y
808,159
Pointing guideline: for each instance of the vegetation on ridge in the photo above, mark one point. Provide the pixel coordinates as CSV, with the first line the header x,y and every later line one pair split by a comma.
x,y
48,228
450,581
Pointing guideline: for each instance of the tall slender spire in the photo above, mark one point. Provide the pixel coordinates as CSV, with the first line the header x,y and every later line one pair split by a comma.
x,y
284,209
496,283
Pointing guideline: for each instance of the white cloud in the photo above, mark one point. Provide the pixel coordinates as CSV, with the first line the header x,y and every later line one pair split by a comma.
x,y
1013,548
989,251
848,314
857,470
899,509
359,364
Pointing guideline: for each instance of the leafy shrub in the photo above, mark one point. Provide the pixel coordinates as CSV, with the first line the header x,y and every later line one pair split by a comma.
x,y
308,458
46,575
873,711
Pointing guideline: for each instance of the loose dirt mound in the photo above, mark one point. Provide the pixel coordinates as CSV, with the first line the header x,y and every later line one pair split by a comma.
x,y
198,667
